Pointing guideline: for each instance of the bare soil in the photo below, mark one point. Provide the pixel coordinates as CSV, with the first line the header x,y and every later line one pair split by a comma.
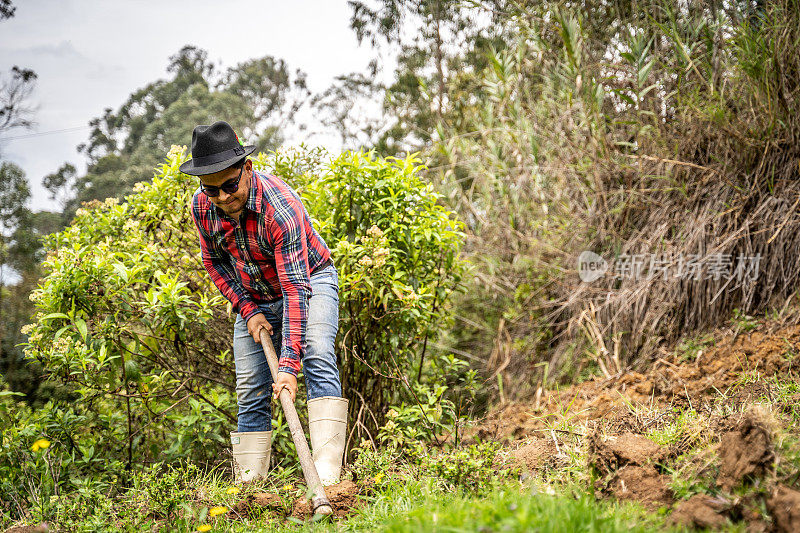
x,y
745,452
734,373
628,465
715,375
530,455
784,506
343,497
700,511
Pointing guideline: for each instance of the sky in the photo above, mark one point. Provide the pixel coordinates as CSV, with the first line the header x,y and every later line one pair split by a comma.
x,y
92,54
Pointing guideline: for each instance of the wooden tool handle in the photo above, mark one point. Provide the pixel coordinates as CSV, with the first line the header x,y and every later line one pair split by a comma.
x,y
319,502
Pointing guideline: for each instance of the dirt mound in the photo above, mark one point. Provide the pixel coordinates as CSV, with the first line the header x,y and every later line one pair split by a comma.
x,y
627,464
343,497
784,506
745,452
530,455
39,528
700,511
609,454
716,383
643,484
677,381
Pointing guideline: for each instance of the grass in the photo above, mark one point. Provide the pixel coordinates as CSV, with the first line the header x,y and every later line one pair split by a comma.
x,y
409,492
408,499
422,506
521,510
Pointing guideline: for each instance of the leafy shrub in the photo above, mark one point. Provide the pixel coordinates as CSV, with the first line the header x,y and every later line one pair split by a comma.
x,y
397,249
412,425
370,462
471,468
130,323
161,489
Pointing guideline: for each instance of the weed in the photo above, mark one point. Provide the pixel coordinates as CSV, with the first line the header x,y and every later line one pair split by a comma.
x,y
471,468
689,349
744,322
162,489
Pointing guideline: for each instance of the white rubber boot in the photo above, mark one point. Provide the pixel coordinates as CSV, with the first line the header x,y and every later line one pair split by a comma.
x,y
327,423
251,451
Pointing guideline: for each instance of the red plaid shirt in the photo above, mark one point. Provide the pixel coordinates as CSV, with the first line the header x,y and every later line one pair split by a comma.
x,y
267,255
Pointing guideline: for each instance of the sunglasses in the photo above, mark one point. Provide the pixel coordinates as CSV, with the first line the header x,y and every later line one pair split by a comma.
x,y
230,186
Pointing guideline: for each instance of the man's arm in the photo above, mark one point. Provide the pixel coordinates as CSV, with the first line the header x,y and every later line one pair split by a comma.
x,y
287,231
218,265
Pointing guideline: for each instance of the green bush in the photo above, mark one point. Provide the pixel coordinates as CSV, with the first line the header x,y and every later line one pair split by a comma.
x,y
471,468
397,249
45,454
130,323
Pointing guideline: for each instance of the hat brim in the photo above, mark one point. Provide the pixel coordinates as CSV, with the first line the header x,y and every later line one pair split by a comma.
x,y
189,168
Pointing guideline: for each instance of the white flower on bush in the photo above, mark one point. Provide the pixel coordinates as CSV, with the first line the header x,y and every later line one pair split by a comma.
x,y
375,232
175,151
379,255
60,345
365,261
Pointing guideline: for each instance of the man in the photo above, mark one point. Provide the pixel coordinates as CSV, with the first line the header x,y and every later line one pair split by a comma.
x,y
261,251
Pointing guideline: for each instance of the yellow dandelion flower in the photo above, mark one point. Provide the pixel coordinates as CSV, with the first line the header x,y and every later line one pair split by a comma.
x,y
214,511
233,490
378,477
287,487
40,444
204,527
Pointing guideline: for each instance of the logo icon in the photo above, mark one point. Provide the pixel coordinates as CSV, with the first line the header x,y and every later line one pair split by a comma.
x,y
591,266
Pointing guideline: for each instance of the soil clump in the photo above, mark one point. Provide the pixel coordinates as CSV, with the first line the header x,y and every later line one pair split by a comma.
x,y
343,497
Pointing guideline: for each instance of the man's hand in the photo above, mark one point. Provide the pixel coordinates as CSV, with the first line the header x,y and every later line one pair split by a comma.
x,y
285,381
254,325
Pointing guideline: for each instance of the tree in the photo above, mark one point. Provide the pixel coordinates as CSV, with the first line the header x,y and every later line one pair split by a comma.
x,y
14,194
120,132
15,90
7,9
21,253
267,86
60,183
114,174
437,66
260,96
342,105
436,18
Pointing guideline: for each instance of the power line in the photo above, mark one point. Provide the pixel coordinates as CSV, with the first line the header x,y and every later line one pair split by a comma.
x,y
41,133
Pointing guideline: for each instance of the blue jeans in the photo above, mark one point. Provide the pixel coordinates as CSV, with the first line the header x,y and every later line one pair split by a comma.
x,y
253,378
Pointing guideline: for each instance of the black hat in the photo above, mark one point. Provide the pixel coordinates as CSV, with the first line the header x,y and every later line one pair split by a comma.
x,y
214,148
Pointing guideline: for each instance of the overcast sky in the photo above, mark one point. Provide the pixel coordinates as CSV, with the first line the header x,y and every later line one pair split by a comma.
x,y
92,54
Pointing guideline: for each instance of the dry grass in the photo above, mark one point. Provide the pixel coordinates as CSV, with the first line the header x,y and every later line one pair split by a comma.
x,y
704,164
